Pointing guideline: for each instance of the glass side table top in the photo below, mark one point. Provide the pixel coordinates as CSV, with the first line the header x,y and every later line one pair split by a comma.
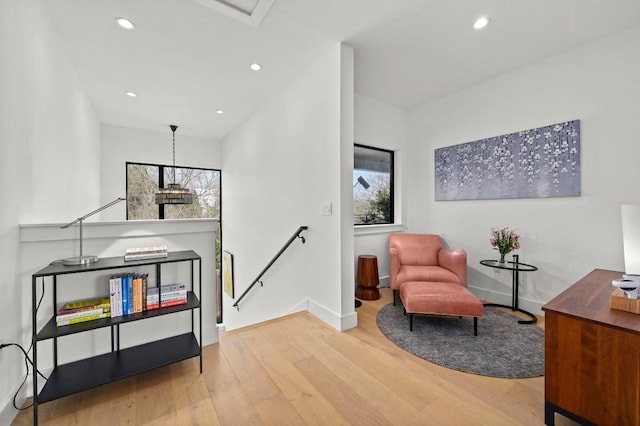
x,y
509,265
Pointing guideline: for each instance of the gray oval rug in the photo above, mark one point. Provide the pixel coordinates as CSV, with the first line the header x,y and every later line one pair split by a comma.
x,y
502,348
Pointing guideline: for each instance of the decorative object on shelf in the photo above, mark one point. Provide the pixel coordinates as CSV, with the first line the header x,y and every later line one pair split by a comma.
x,y
505,241
227,272
536,163
86,259
629,285
138,253
174,193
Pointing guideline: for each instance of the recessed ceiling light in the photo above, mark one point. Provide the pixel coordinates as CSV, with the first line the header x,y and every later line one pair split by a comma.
x,y
219,111
481,22
131,94
125,23
256,67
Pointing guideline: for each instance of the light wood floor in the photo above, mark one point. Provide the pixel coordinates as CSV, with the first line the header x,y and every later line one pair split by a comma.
x,y
298,371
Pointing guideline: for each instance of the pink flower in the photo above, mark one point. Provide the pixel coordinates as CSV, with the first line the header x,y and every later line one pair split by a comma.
x,y
504,240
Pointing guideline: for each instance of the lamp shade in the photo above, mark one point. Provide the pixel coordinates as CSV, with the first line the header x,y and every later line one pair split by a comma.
x,y
174,193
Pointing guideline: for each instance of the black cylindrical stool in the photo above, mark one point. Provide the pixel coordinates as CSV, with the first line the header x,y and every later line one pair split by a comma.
x,y
368,279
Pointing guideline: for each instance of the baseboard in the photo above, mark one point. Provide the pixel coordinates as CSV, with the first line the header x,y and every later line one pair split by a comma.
x,y
533,306
384,282
7,412
340,323
210,334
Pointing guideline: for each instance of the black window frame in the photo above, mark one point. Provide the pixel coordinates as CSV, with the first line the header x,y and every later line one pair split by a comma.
x,y
161,213
391,183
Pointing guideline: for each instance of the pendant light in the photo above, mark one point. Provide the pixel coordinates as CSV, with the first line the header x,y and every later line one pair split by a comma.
x,y
173,193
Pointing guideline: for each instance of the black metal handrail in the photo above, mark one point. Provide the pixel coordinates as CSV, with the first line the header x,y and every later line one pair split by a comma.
x,y
257,280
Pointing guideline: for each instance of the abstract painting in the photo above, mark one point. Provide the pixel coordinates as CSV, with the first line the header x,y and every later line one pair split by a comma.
x,y
536,163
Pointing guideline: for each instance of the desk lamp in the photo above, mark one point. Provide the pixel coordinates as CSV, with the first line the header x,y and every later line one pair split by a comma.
x,y
86,259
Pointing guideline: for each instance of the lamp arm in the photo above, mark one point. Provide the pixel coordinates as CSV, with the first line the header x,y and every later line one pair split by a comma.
x,y
80,219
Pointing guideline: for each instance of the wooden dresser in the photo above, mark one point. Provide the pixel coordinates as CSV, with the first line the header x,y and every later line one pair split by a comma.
x,y
592,355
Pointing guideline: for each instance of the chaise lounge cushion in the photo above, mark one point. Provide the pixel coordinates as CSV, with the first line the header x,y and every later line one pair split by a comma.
x,y
440,298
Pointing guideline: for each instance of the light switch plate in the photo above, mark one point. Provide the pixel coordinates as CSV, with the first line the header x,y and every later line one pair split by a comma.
x,y
326,208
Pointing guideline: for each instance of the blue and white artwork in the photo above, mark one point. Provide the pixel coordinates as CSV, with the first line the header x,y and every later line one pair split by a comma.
x,y
536,163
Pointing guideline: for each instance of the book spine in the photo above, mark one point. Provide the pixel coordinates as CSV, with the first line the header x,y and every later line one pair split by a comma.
x,y
88,302
82,319
144,256
63,311
125,294
118,305
81,314
112,295
129,294
137,288
144,291
167,296
151,306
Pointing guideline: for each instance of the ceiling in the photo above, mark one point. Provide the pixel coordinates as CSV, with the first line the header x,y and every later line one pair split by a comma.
x,y
188,58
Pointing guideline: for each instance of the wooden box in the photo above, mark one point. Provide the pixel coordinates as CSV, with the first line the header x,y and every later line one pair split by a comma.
x,y
621,302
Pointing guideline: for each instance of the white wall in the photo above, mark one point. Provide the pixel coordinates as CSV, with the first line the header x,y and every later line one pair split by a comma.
x,y
565,237
122,144
381,125
279,168
49,147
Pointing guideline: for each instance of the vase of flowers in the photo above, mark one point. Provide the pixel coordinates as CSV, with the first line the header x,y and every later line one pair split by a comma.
x,y
505,241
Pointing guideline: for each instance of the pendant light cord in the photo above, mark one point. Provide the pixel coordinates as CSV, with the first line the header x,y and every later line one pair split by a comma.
x,y
173,170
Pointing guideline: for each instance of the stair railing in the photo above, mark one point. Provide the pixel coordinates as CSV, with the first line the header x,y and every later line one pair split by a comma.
x,y
257,280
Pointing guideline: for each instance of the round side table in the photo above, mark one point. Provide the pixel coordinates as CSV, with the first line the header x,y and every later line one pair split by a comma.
x,y
515,267
368,279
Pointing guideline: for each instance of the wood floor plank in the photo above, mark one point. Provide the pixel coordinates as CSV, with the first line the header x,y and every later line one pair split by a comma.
x,y
309,401
231,402
248,370
297,370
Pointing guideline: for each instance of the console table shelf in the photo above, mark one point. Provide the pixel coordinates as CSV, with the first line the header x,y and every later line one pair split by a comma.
x,y
119,363
88,373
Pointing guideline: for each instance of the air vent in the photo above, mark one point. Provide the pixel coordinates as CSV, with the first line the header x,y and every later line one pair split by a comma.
x,y
250,12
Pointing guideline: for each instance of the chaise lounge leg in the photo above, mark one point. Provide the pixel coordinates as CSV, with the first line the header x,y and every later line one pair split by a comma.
x,y
394,297
410,322
475,326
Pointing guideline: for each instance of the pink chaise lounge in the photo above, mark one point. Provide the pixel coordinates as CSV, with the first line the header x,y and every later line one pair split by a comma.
x,y
430,279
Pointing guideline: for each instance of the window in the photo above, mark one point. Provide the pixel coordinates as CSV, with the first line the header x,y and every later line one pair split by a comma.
x,y
143,181
372,186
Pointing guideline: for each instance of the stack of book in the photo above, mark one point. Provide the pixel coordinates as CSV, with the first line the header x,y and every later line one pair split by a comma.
x,y
129,294
83,310
145,253
173,294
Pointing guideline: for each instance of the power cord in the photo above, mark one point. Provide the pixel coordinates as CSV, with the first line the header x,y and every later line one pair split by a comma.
x,y
27,360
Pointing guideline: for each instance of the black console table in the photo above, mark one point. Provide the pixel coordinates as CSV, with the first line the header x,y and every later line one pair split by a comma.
x,y
119,363
515,267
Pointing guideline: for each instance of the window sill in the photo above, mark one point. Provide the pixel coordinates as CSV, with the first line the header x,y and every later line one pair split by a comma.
x,y
378,229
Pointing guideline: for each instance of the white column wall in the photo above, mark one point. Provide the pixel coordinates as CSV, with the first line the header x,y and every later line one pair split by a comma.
x,y
565,238
279,168
49,165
